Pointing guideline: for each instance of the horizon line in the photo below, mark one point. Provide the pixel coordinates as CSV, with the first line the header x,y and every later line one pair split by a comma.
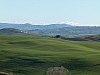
x,y
72,24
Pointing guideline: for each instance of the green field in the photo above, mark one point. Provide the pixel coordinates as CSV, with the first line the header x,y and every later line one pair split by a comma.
x,y
33,55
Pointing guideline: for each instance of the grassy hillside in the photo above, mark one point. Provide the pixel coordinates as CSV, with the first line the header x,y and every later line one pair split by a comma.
x,y
32,55
91,37
12,31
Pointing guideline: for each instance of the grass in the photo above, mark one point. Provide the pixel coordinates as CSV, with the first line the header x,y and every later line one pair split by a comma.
x,y
32,55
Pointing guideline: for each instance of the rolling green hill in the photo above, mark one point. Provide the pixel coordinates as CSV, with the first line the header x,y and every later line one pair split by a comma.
x,y
84,38
32,55
12,31
91,37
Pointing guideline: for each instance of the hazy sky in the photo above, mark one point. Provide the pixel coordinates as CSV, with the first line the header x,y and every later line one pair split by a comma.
x,y
50,11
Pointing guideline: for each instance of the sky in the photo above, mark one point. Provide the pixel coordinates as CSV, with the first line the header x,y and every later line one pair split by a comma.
x,y
79,12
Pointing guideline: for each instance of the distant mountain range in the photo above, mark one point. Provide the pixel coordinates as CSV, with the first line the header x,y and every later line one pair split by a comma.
x,y
54,29
28,26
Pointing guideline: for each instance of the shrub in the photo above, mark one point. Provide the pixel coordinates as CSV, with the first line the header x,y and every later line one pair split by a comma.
x,y
57,36
57,71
